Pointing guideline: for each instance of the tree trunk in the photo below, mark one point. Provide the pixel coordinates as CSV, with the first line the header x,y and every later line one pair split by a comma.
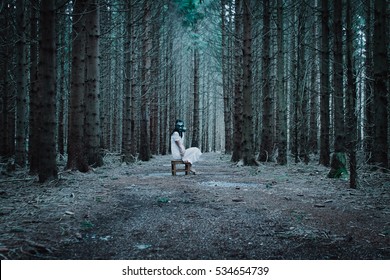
x,y
144,154
380,149
303,111
338,97
34,113
155,81
351,100
126,130
324,90
237,125
369,128
47,93
293,84
215,118
207,127
63,39
21,85
281,96
92,115
247,126
134,107
338,167
196,123
313,138
76,150
227,107
106,84
168,92
301,99
7,123
116,96
266,145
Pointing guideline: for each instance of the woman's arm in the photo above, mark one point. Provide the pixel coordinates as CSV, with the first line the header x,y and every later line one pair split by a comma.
x,y
182,149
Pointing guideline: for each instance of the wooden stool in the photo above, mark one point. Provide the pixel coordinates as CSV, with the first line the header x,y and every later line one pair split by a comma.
x,y
187,167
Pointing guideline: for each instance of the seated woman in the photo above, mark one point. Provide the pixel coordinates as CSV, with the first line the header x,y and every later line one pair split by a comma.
x,y
178,149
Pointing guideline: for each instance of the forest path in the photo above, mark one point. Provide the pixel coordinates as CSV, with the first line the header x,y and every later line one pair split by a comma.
x,y
141,211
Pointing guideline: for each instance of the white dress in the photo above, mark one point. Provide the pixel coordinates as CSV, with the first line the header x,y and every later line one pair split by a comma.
x,y
191,154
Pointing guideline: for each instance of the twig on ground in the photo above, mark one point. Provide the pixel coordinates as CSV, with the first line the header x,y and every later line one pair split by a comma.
x,y
18,180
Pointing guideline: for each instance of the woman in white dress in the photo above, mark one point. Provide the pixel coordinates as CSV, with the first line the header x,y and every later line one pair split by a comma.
x,y
178,149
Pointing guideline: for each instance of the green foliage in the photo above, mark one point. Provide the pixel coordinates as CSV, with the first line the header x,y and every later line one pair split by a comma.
x,y
190,12
341,172
86,224
163,200
338,166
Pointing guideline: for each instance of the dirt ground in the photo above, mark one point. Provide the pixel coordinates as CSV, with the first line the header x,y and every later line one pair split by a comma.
x,y
226,211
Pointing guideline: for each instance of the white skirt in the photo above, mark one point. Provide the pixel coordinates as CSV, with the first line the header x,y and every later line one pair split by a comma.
x,y
192,155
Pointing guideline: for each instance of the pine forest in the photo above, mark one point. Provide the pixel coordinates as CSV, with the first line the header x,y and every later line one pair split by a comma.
x,y
259,84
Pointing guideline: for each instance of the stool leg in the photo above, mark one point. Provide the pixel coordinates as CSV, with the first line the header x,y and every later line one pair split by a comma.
x,y
187,168
173,169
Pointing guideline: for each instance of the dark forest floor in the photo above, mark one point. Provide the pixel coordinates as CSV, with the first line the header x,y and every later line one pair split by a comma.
x,y
226,211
